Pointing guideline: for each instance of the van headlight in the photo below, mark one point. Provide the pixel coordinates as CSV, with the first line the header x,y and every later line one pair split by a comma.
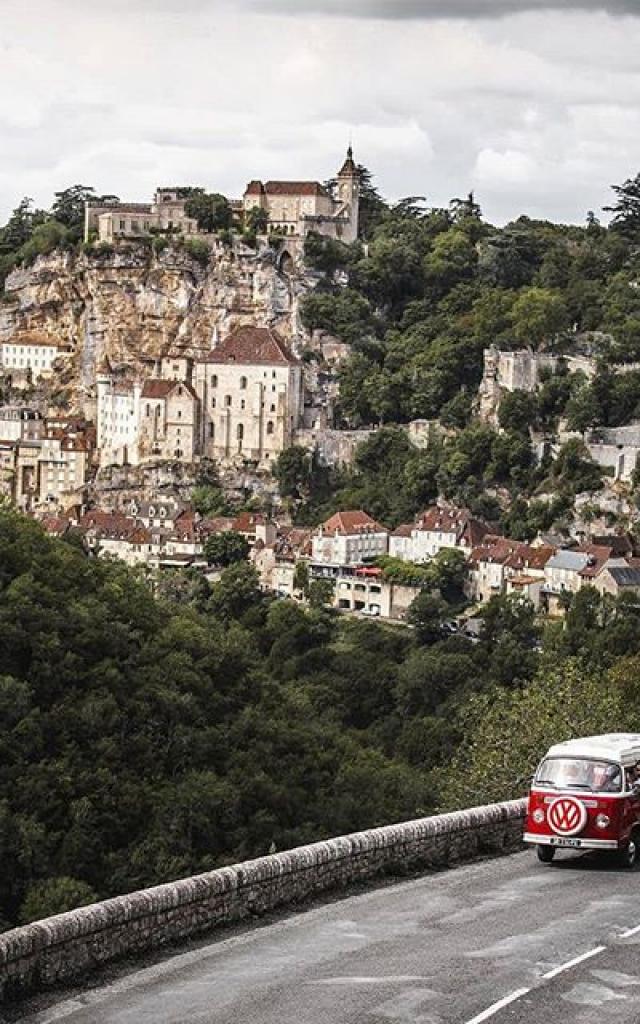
x,y
538,816
602,820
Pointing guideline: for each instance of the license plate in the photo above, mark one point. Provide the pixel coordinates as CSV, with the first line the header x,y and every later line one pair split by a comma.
x,y
566,842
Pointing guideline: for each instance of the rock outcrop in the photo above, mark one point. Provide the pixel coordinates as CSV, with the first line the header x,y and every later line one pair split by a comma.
x,y
132,305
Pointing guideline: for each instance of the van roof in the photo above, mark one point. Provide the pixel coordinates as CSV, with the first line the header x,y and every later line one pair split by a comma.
x,y
613,746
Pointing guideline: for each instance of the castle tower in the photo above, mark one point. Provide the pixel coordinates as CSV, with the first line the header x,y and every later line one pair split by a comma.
x,y
348,185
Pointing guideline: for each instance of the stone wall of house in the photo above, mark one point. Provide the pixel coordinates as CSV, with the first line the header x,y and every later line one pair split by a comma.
x,y
68,946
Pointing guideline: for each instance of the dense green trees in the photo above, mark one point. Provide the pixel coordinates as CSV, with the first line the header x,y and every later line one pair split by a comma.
x,y
225,548
210,209
145,738
432,288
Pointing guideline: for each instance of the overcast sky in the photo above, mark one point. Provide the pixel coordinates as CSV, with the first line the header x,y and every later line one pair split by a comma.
x,y
535,106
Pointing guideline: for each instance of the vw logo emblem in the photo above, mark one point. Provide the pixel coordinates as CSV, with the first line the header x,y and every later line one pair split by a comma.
x,y
567,816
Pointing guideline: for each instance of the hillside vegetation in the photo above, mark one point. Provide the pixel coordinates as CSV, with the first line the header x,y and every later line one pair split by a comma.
x,y
143,739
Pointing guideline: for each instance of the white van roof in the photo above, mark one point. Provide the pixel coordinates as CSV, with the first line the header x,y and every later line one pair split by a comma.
x,y
623,747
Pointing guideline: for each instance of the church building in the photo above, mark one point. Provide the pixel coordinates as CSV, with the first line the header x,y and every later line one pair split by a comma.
x,y
251,394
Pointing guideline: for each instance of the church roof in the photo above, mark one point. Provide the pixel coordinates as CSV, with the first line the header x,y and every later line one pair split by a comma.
x,y
156,388
250,345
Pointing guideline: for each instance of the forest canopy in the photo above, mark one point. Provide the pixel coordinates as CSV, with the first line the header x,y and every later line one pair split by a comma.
x,y
142,740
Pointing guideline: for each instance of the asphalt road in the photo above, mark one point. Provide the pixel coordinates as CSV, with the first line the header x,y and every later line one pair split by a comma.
x,y
461,946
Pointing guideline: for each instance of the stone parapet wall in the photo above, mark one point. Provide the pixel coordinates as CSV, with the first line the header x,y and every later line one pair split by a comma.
x,y
68,946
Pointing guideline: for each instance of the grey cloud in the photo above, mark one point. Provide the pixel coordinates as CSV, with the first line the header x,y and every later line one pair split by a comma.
x,y
429,9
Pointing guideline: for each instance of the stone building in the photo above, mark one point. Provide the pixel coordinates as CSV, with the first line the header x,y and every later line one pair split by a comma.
x,y
169,420
20,422
30,356
117,418
298,207
131,220
250,389
508,370
49,471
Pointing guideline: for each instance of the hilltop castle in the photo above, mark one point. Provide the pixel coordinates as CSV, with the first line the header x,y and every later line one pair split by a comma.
x,y
292,207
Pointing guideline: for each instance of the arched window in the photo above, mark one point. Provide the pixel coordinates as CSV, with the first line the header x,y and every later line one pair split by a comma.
x,y
214,381
270,427
227,400
148,409
243,383
240,431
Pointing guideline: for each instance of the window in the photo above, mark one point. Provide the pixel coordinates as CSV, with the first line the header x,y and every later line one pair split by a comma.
x,y
273,374
243,383
213,402
212,431
273,408
227,400
242,403
148,409
269,427
214,381
179,414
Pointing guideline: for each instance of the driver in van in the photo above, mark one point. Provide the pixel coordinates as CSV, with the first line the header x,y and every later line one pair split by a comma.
x,y
610,782
633,775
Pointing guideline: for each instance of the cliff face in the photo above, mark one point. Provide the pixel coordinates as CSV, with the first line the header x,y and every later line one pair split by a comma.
x,y
132,305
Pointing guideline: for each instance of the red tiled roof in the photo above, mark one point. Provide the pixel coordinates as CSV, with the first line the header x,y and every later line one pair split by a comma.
x,y
458,521
35,338
352,521
55,525
217,524
97,519
598,555
254,188
155,388
250,345
404,530
295,188
246,522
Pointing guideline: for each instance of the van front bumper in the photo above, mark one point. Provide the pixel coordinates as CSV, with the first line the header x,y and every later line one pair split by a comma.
x,y
571,842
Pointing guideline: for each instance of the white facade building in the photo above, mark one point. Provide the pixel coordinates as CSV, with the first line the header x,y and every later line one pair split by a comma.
x,y
117,421
349,538
436,529
33,354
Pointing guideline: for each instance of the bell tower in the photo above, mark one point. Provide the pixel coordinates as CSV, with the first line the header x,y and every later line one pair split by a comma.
x,y
348,187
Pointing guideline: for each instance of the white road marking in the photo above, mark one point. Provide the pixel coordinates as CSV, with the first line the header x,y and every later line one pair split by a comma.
x,y
629,932
493,1009
572,963
489,1012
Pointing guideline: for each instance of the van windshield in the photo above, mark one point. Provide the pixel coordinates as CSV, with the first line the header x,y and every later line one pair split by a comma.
x,y
580,773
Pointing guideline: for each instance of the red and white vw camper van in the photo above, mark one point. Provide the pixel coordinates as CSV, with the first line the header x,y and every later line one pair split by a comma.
x,y
585,795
